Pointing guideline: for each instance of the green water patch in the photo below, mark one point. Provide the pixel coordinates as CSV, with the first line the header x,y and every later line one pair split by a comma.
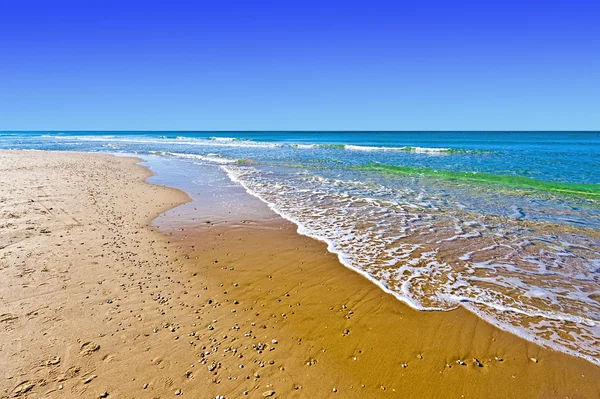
x,y
509,181
245,162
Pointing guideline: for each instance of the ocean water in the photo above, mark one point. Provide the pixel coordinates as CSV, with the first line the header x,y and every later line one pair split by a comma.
x,y
506,224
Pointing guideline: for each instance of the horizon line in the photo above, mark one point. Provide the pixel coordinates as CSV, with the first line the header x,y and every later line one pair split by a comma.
x,y
304,131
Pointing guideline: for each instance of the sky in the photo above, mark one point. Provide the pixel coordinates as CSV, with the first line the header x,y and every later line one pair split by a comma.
x,y
299,65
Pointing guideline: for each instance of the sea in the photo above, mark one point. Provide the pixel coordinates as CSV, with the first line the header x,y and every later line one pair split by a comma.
x,y
504,224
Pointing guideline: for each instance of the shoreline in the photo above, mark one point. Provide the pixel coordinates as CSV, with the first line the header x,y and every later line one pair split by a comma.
x,y
318,354
302,230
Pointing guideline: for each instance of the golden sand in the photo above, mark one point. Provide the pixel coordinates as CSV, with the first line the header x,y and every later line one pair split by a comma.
x,y
95,302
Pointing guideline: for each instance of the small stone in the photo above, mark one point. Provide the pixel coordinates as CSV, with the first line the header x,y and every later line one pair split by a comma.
x,y
533,359
267,394
178,392
89,379
274,341
145,386
104,394
334,389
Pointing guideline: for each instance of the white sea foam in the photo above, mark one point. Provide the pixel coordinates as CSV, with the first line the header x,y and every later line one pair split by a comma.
x,y
225,139
425,150
212,158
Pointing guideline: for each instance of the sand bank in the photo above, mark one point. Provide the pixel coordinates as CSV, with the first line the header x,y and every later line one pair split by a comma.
x,y
95,302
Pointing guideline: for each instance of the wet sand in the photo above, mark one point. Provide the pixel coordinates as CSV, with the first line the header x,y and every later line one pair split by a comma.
x,y
227,300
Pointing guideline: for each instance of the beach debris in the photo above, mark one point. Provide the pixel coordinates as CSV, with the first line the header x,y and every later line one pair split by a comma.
x,y
404,365
88,379
533,359
23,388
213,366
499,359
334,389
267,394
88,348
219,397
477,363
104,394
145,386
460,362
52,361
274,341
259,347
178,392
419,356
311,362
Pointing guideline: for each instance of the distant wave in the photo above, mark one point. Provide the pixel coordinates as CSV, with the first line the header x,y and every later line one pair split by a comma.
x,y
225,139
367,148
178,141
423,150
213,158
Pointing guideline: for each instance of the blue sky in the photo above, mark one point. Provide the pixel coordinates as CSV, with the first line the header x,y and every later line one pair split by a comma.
x,y
299,65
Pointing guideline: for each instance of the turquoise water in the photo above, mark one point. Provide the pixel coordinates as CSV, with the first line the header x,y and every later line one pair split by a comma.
x,y
505,224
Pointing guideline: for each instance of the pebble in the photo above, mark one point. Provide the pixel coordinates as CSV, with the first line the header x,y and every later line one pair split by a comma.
x,y
334,389
267,394
274,341
104,394
178,392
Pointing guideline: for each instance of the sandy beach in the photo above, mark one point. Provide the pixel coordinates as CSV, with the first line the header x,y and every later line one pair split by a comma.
x,y
99,298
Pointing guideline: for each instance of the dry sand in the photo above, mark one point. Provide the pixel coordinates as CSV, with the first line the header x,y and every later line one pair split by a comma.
x,y
94,302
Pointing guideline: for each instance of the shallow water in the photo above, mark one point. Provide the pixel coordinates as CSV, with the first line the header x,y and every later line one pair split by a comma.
x,y
505,224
